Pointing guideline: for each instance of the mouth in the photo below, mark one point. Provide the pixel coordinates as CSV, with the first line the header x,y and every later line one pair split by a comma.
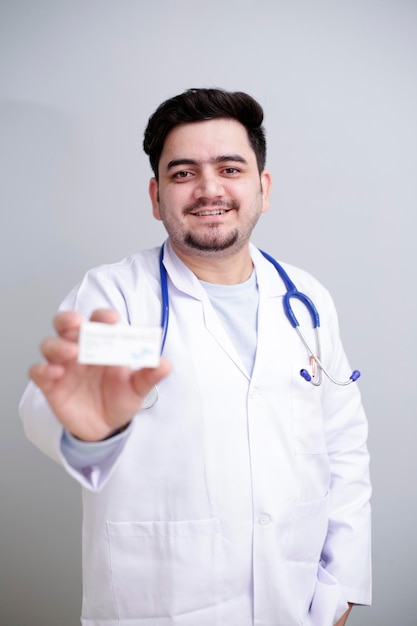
x,y
213,208
207,213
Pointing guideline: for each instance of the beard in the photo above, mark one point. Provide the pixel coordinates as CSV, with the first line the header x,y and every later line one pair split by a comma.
x,y
214,238
211,242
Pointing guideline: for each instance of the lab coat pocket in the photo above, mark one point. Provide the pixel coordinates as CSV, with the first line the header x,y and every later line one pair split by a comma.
x,y
328,604
167,569
309,433
309,522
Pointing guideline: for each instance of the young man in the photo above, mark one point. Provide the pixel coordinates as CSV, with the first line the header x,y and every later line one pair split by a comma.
x,y
240,496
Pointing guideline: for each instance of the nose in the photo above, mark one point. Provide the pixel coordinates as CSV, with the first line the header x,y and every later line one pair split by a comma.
x,y
209,185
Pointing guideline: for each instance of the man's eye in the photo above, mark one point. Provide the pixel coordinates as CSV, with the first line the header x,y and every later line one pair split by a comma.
x,y
231,170
182,174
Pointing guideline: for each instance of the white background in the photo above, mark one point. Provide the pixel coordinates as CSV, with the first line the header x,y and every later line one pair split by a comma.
x,y
78,81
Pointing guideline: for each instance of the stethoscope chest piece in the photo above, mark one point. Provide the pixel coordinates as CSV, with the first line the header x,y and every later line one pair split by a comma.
x,y
151,399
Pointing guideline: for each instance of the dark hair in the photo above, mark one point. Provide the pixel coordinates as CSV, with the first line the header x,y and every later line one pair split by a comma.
x,y
197,105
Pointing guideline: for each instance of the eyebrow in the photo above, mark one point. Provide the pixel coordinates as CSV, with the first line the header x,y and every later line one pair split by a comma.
x,y
234,158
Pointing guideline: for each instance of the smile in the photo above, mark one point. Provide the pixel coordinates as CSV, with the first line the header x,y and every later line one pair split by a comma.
x,y
214,212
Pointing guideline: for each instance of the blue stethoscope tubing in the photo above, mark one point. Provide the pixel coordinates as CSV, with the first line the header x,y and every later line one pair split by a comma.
x,y
291,292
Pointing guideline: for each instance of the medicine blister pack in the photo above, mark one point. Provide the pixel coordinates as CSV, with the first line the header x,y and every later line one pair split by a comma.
x,y
117,344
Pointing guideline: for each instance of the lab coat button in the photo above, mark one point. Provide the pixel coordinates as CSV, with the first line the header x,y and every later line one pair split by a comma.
x,y
255,393
264,520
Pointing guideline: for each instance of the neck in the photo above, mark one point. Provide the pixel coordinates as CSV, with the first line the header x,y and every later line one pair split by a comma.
x,y
219,268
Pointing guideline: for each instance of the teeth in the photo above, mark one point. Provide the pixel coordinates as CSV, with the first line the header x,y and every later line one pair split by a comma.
x,y
204,213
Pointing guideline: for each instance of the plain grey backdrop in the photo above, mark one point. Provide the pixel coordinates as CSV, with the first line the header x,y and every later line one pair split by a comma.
x,y
78,81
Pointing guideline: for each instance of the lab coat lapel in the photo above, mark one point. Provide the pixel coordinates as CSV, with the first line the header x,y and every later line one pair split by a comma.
x,y
277,342
186,281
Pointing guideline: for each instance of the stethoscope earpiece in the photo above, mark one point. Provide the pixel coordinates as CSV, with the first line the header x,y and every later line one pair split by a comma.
x,y
304,374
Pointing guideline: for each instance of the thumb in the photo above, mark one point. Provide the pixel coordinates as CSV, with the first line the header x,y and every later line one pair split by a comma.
x,y
143,380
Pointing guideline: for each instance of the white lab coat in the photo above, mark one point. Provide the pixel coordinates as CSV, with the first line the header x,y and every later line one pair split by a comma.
x,y
236,500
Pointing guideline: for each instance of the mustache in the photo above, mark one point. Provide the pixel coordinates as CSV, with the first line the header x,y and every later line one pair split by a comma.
x,y
202,203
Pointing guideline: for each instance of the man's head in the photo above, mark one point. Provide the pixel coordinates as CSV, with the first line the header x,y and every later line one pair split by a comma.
x,y
197,105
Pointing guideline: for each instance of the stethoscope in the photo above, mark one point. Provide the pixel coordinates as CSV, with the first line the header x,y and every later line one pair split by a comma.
x,y
317,367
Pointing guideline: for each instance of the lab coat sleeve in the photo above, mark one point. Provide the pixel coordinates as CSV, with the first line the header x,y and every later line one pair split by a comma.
x,y
44,430
82,454
346,553
40,424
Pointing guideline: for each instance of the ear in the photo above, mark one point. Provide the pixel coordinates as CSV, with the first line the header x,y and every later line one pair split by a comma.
x,y
266,183
154,196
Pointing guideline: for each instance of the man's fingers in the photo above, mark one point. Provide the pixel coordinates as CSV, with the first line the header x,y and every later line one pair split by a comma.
x,y
67,324
143,380
58,351
105,316
44,375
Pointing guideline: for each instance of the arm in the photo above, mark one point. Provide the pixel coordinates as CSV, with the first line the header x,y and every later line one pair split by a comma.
x,y
347,550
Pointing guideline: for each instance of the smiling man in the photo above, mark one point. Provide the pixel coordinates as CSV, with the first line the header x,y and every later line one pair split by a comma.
x,y
219,488
209,192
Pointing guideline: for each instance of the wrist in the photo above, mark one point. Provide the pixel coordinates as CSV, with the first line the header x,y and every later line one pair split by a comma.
x,y
116,432
112,434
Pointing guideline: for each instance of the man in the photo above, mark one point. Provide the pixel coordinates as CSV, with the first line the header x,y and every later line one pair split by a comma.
x,y
241,496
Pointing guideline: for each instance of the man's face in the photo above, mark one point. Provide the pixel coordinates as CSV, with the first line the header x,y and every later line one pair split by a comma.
x,y
209,194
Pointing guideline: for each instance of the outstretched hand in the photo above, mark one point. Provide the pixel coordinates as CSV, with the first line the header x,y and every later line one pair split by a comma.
x,y
90,401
